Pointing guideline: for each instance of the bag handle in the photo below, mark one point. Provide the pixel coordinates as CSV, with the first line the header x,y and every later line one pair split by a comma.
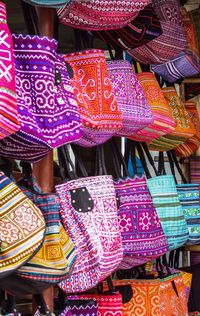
x,y
118,160
178,166
78,159
130,152
161,164
41,304
100,167
67,168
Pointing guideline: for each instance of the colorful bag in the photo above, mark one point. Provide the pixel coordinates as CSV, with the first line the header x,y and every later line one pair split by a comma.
x,y
195,169
47,3
55,259
22,227
136,112
43,92
9,123
184,126
185,64
192,144
99,111
100,15
171,42
163,121
88,210
190,30
143,29
83,307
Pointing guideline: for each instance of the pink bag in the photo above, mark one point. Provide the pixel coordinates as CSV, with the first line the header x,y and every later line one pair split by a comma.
x,y
88,210
100,14
136,112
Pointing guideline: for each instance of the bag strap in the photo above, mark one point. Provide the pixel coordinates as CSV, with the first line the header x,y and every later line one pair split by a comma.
x,y
130,152
118,160
42,306
161,164
143,160
100,167
178,166
78,159
67,168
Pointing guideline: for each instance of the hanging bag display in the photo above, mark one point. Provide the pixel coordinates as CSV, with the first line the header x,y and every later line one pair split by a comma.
x,y
22,227
171,42
9,122
129,94
100,15
47,107
88,209
55,259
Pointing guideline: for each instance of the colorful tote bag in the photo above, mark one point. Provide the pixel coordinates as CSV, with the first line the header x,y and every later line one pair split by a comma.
x,y
47,3
100,15
9,123
88,209
83,307
43,92
171,42
195,169
185,64
143,29
136,112
184,126
54,261
98,108
22,227
192,144
163,120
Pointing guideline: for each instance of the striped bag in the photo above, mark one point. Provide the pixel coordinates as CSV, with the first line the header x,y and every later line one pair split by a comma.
x,y
195,169
184,126
9,123
192,144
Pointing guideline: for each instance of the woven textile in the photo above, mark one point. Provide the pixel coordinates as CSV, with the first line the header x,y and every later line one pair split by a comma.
x,y
189,198
47,3
94,231
192,144
22,227
171,42
184,126
81,308
185,64
100,14
166,201
163,121
155,297
142,235
99,111
8,108
43,92
195,169
52,263
107,304
143,29
136,112
190,30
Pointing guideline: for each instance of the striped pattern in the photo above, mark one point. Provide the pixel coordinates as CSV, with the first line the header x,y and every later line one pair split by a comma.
x,y
195,169
190,201
47,3
95,233
55,259
186,64
192,144
22,227
170,212
9,122
184,126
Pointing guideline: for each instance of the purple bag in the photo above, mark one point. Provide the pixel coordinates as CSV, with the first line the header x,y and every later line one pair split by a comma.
x,y
83,307
47,107
136,112
186,64
88,210
143,238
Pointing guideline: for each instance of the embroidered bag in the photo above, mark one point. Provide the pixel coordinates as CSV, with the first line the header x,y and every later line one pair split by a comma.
x,y
99,111
163,121
88,210
142,236
47,107
136,112
22,227
47,3
184,126
171,42
192,144
54,261
100,15
143,29
185,64
83,307
9,123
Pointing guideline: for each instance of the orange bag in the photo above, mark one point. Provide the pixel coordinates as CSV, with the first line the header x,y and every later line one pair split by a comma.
x,y
184,127
163,121
191,145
